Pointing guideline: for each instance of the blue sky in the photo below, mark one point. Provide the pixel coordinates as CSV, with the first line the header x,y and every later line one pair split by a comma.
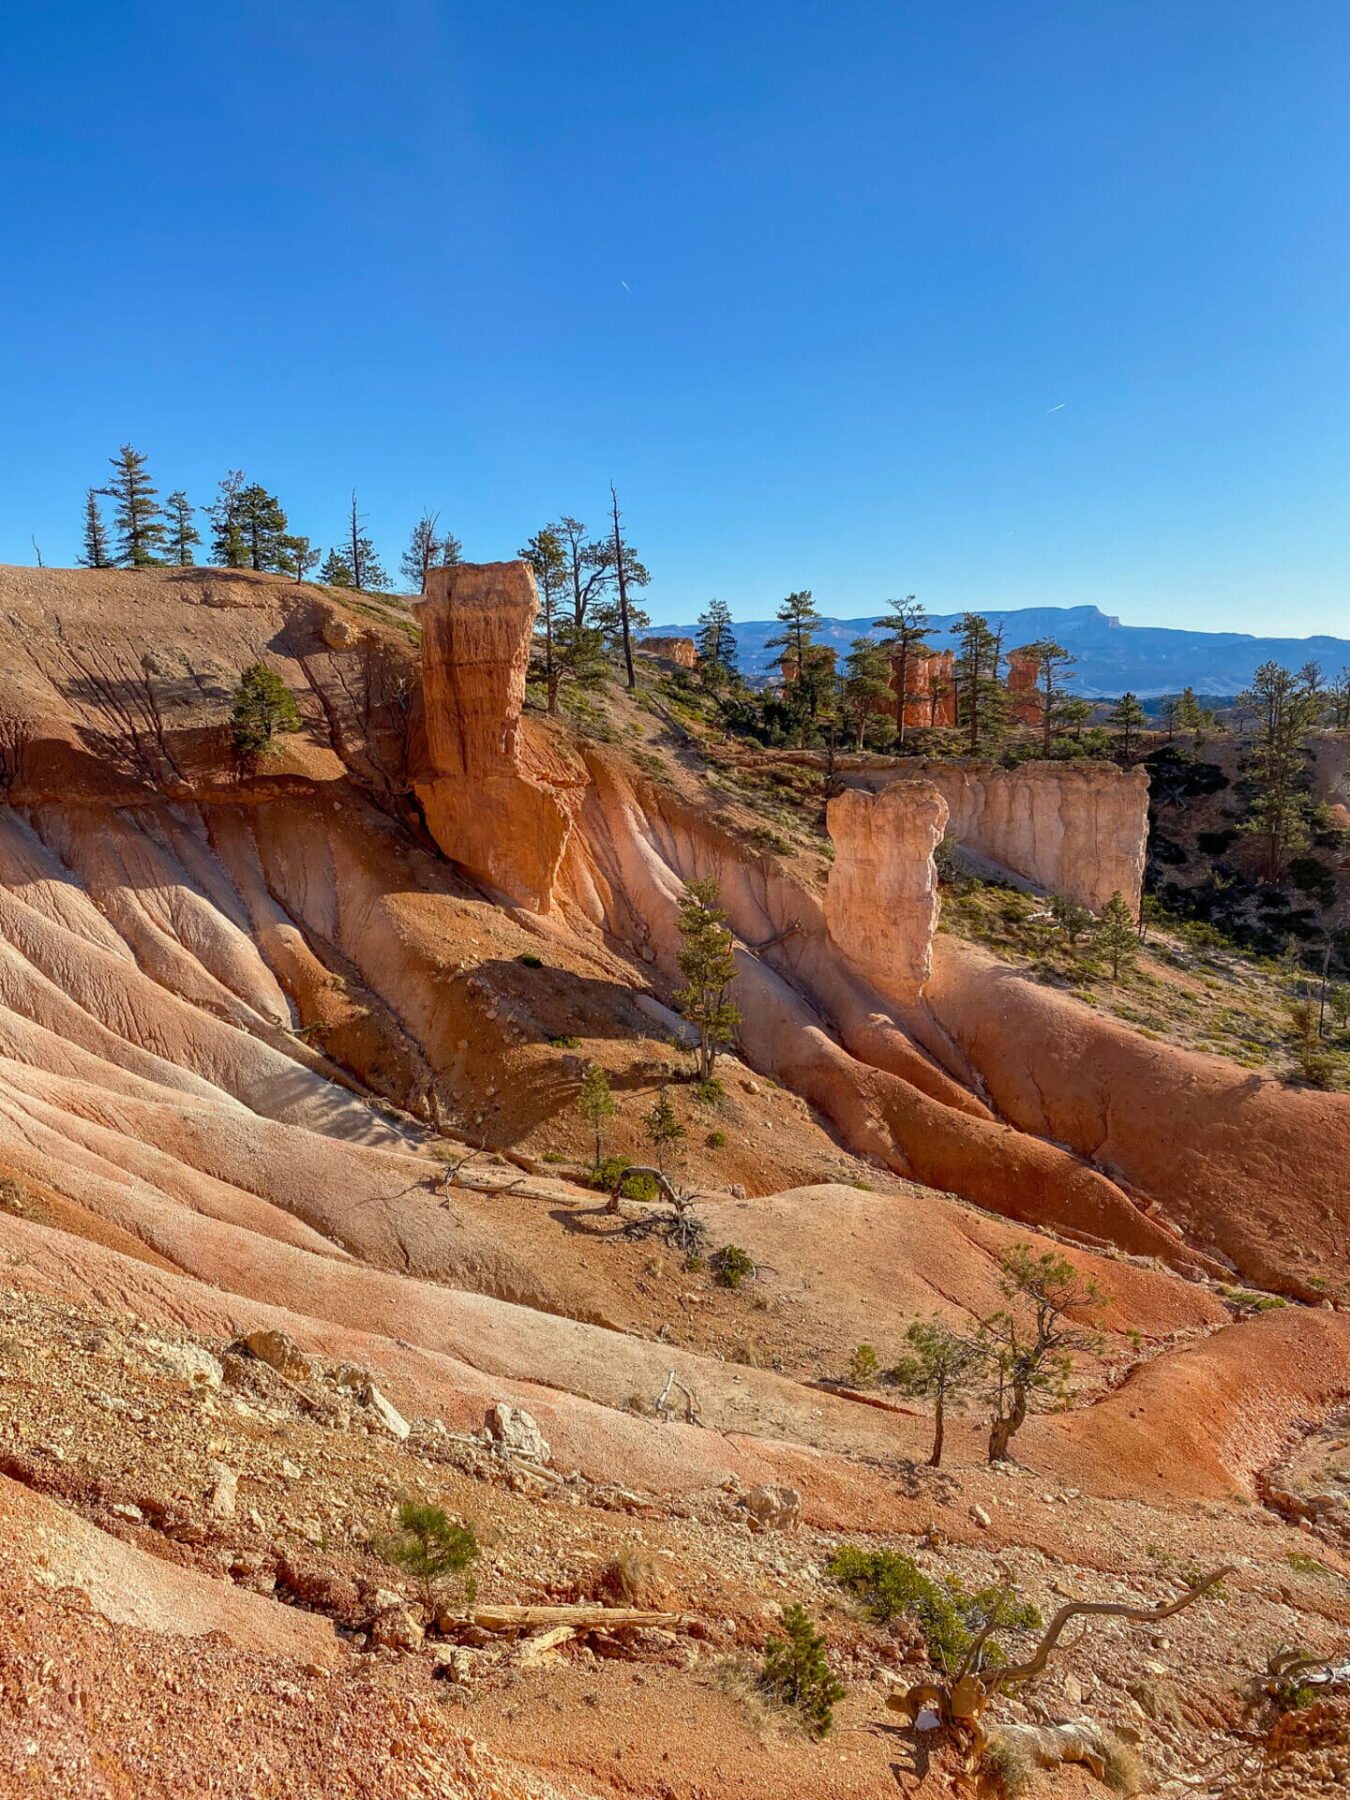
x,y
1001,305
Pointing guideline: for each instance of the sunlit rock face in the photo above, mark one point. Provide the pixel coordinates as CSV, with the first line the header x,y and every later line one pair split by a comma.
x,y
881,902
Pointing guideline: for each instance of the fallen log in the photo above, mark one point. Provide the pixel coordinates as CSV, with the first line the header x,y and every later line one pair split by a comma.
x,y
577,1618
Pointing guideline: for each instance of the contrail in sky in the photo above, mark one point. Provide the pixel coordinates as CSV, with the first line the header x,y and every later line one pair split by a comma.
x,y
1059,408
624,285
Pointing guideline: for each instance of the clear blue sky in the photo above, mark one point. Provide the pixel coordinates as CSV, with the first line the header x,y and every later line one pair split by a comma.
x,y
807,281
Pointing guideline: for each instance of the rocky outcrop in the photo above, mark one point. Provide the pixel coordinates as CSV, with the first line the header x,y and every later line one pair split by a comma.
x,y
1076,828
497,799
682,651
881,901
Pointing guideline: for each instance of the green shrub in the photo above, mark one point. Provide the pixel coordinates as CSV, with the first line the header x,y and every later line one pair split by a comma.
x,y
637,1187
710,1092
263,706
891,1586
717,1140
796,1673
731,1265
429,1548
566,1042
528,960
863,1366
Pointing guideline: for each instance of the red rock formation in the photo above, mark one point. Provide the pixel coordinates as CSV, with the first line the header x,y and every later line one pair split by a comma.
x,y
1024,695
497,799
932,693
881,899
679,650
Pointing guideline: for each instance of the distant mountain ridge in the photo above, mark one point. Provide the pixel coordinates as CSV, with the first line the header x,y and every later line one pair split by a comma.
x,y
1148,659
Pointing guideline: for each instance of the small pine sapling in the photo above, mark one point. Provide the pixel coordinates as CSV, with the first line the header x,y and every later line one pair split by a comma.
x,y
263,706
709,968
596,1103
662,1127
1118,935
939,1366
796,1673
430,1549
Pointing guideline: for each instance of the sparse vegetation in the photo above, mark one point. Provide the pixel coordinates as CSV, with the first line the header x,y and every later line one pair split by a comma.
x,y
731,1266
940,1366
429,1548
891,1585
863,1366
796,1672
263,707
596,1103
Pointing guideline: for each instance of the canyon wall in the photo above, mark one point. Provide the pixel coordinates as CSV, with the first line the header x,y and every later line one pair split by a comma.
x,y
881,900
1076,828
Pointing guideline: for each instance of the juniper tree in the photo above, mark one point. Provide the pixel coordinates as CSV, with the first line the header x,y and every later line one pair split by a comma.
x,y
716,642
181,533
263,706
1129,719
137,519
1029,1346
359,551
708,965
1286,710
94,552
940,1366
1118,935
226,513
907,633
596,1103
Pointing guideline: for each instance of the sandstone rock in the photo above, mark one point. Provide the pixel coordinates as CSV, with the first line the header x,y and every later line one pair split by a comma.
x,y
189,1362
881,902
281,1353
773,1508
350,1375
396,1629
223,1491
681,651
389,1416
338,631
517,1432
981,1517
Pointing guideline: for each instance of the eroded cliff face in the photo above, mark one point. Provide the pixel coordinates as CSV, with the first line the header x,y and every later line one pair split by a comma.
x,y
497,799
881,900
1072,828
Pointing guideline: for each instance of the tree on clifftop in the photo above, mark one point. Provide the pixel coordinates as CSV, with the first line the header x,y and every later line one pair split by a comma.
x,y
716,642
336,570
427,550
140,528
367,575
867,687
182,533
628,573
226,513
907,634
1286,710
981,701
95,552
1129,719
1053,662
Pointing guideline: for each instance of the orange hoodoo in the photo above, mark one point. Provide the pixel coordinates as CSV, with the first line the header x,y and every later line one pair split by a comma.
x,y
1024,669
932,689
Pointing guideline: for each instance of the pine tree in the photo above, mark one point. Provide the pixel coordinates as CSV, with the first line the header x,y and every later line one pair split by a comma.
x,y
1053,661
662,1127
263,706
1117,935
1029,1347
708,965
1129,719
546,557
1338,696
629,573
94,553
182,533
716,642
796,1672
367,575
423,552
450,552
940,1367
590,567
336,571
596,1103
907,634
140,528
228,546
1286,709
430,1549
981,701
801,685
262,526
866,687
299,555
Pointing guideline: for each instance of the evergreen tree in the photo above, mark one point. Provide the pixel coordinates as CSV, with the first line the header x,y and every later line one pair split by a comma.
x,y
228,545
907,634
981,701
95,552
1053,662
430,1549
662,1127
299,555
546,557
796,1672
1129,719
450,552
1118,935
708,965
716,642
596,1103
262,526
423,552
336,571
367,575
1338,695
1194,719
1029,1347
182,533
801,684
590,568
866,687
629,573
140,528
940,1367
1286,710
263,706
